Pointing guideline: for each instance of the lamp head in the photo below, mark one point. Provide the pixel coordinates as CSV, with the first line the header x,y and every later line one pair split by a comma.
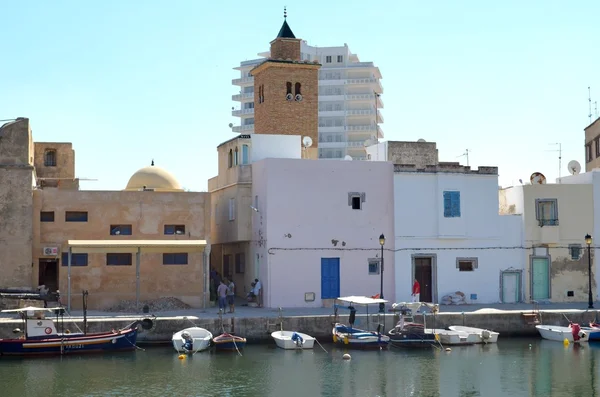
x,y
382,240
588,239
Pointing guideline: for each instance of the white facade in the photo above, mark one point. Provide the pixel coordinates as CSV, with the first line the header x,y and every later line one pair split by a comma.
x,y
449,234
349,96
311,215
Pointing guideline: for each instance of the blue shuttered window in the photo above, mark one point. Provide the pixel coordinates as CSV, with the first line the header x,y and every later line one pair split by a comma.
x,y
76,259
175,259
451,204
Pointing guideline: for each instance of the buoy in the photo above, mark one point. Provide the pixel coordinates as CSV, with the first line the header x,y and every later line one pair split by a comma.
x,y
346,356
566,342
182,356
448,349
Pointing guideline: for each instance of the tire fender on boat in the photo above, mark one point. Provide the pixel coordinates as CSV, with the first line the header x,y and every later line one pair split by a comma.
x,y
335,339
48,330
346,341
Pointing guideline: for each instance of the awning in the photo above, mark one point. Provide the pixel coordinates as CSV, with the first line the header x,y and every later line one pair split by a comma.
x,y
361,300
132,246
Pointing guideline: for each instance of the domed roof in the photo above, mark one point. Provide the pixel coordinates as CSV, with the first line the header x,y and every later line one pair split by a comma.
x,y
154,178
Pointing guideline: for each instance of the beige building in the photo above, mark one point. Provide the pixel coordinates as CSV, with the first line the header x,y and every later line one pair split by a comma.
x,y
556,218
141,243
592,146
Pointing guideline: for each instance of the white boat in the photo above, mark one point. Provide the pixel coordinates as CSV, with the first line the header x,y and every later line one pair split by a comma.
x,y
559,334
289,340
453,338
483,335
198,337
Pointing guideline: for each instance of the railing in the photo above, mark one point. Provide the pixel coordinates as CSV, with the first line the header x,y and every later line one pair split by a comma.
x,y
243,128
239,112
242,80
362,81
246,95
367,127
360,112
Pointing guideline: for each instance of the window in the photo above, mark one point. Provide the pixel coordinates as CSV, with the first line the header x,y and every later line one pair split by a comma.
x,y
240,263
235,157
328,59
340,58
298,89
374,265
451,204
546,212
175,259
47,216
120,230
356,203
245,154
76,216
227,265
249,105
597,144
355,199
288,86
50,158
231,209
230,159
588,152
76,259
575,251
256,202
118,259
249,121
466,264
174,229
261,93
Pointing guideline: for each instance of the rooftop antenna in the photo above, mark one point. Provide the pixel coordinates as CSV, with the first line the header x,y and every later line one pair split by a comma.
x,y
284,12
559,158
465,154
590,103
596,109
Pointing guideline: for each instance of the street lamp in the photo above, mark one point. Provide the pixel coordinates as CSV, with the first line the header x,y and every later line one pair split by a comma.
x,y
588,241
381,305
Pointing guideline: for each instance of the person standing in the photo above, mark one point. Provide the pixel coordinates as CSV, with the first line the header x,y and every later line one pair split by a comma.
x,y
416,291
258,292
231,296
222,294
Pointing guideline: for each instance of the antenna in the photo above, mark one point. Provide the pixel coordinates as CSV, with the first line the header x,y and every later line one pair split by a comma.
x,y
465,154
559,158
596,108
306,143
590,103
574,167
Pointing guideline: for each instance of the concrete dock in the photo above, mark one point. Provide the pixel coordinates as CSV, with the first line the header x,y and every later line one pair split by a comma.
x,y
256,324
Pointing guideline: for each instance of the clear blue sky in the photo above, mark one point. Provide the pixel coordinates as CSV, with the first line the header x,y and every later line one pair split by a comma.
x,y
129,81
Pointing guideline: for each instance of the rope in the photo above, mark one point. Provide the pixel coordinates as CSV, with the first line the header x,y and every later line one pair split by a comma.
x,y
232,338
320,345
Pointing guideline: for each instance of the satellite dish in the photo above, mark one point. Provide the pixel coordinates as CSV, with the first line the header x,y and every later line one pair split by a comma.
x,y
421,140
348,157
368,143
574,167
230,125
537,178
307,141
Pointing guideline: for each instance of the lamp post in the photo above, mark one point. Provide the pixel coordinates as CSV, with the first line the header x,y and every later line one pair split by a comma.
x,y
588,241
382,305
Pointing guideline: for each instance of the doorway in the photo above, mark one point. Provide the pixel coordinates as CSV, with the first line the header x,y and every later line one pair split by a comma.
x,y
330,278
48,274
540,278
423,270
510,286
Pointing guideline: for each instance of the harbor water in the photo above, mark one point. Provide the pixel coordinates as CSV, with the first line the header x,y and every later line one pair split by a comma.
x,y
513,367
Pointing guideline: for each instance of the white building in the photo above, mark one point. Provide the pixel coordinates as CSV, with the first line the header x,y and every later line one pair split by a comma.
x,y
449,234
349,94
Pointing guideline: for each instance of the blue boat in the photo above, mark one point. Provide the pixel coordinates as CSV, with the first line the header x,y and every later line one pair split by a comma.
x,y
41,338
228,342
355,338
593,331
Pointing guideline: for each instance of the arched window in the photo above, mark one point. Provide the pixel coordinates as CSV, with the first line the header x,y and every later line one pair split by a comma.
x,y
289,87
244,154
298,86
235,157
230,159
50,158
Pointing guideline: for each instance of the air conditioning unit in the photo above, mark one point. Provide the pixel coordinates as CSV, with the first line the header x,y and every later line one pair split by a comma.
x,y
50,251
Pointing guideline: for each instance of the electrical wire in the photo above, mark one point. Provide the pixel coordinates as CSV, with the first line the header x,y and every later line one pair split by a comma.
x,y
272,250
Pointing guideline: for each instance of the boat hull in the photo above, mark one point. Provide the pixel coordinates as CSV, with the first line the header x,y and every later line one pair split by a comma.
x,y
201,339
454,338
482,335
594,335
227,342
283,340
410,339
71,344
559,334
354,338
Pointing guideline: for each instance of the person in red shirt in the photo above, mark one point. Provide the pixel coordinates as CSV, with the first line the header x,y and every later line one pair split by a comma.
x,y
416,291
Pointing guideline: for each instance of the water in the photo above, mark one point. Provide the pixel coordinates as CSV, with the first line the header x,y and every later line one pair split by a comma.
x,y
510,368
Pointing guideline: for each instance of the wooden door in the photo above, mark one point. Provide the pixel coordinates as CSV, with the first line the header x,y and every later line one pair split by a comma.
x,y
423,274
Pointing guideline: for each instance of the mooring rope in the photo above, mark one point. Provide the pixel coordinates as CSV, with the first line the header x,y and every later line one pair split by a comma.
x,y
320,345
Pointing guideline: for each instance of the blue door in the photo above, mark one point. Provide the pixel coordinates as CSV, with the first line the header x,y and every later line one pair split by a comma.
x,y
540,278
330,278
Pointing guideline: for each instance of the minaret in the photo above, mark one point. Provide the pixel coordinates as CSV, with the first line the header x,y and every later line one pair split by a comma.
x,y
286,92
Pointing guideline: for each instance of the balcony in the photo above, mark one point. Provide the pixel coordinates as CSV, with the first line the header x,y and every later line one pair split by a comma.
x,y
356,144
332,113
339,128
243,97
242,112
331,97
243,128
243,81
360,112
375,83
332,145
364,98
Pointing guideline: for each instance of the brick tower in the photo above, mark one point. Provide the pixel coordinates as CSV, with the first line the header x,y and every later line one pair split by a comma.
x,y
286,92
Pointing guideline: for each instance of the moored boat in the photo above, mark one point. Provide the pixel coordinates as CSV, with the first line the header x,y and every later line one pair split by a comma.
x,y
356,338
482,335
193,339
228,342
40,337
591,330
290,340
573,333
408,333
453,338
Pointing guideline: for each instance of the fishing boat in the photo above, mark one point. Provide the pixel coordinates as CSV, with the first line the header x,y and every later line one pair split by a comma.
x,y
356,338
228,342
593,336
193,339
483,335
41,337
573,333
408,333
291,340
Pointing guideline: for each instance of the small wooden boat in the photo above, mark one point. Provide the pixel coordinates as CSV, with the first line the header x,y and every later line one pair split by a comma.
x,y
573,333
454,338
229,342
290,340
355,338
193,339
40,337
591,330
483,335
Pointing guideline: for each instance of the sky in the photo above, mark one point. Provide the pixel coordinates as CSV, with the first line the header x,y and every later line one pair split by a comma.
x,y
131,81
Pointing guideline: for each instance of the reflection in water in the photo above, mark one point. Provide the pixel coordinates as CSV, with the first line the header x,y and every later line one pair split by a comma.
x,y
510,368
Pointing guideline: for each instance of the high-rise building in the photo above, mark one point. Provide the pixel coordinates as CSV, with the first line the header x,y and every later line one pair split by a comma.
x,y
349,97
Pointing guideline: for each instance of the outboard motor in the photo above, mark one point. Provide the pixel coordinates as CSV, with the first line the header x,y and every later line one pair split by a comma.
x,y
188,342
297,339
